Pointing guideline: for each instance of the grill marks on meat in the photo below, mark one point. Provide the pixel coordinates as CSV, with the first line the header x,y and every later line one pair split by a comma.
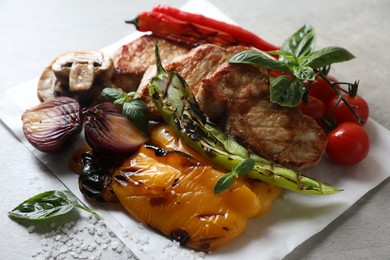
x,y
281,134
234,95
195,66
132,60
237,96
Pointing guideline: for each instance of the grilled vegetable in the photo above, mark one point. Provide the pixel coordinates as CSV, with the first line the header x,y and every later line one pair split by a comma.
x,y
81,69
53,124
193,29
108,130
78,74
236,33
167,190
180,110
164,137
95,177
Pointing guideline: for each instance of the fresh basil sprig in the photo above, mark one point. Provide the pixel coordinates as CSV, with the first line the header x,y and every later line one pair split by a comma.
x,y
47,205
297,63
226,180
132,108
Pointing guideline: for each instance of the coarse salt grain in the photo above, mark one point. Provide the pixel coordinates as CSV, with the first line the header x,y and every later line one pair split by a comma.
x,y
125,233
64,249
84,247
31,228
44,242
114,245
141,226
98,241
99,231
63,243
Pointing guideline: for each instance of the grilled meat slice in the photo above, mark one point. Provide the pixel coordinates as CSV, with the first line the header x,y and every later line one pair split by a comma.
x,y
281,134
200,63
236,96
132,60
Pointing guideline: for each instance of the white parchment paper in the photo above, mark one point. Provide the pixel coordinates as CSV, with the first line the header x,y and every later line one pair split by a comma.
x,y
293,219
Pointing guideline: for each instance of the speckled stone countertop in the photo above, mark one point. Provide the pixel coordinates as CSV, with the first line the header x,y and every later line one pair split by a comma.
x,y
32,33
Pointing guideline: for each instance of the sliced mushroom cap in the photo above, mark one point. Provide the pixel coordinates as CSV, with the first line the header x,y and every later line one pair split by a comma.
x,y
81,69
49,87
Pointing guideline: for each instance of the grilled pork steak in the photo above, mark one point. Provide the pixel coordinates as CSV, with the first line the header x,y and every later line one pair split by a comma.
x,y
199,64
132,60
236,96
281,134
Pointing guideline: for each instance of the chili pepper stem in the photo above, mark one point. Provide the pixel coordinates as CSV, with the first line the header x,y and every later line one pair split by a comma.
x,y
133,21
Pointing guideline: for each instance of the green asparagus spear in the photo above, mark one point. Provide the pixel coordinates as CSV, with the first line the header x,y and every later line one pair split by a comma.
x,y
177,105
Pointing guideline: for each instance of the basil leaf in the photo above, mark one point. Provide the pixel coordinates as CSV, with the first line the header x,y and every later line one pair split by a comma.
x,y
119,102
136,111
227,180
244,167
258,58
47,205
285,91
303,72
301,43
113,94
223,183
327,56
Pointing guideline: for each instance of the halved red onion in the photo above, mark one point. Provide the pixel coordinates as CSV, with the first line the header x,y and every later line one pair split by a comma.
x,y
107,130
51,125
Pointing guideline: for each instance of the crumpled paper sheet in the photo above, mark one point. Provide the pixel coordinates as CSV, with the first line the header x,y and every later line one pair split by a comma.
x,y
293,219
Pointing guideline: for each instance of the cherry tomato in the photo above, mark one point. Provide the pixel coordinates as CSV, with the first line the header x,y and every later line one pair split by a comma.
x,y
322,90
348,144
314,108
341,112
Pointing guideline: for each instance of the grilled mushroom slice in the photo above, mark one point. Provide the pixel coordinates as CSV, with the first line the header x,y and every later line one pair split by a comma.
x,y
49,87
81,69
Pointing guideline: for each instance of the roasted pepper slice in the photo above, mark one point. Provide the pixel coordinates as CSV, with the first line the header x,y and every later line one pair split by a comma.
x,y
168,191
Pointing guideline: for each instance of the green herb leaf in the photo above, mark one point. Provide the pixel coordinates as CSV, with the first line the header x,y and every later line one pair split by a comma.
x,y
223,183
301,43
244,167
136,111
303,72
258,58
119,102
113,94
328,56
47,205
285,91
297,56
227,180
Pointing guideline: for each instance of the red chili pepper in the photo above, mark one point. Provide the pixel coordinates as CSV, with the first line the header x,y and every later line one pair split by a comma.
x,y
195,29
170,28
238,33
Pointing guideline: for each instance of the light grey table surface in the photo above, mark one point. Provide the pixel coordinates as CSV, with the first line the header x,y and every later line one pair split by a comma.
x,y
32,33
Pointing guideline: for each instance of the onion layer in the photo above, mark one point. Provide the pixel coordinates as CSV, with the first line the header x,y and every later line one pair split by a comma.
x,y
107,130
50,126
